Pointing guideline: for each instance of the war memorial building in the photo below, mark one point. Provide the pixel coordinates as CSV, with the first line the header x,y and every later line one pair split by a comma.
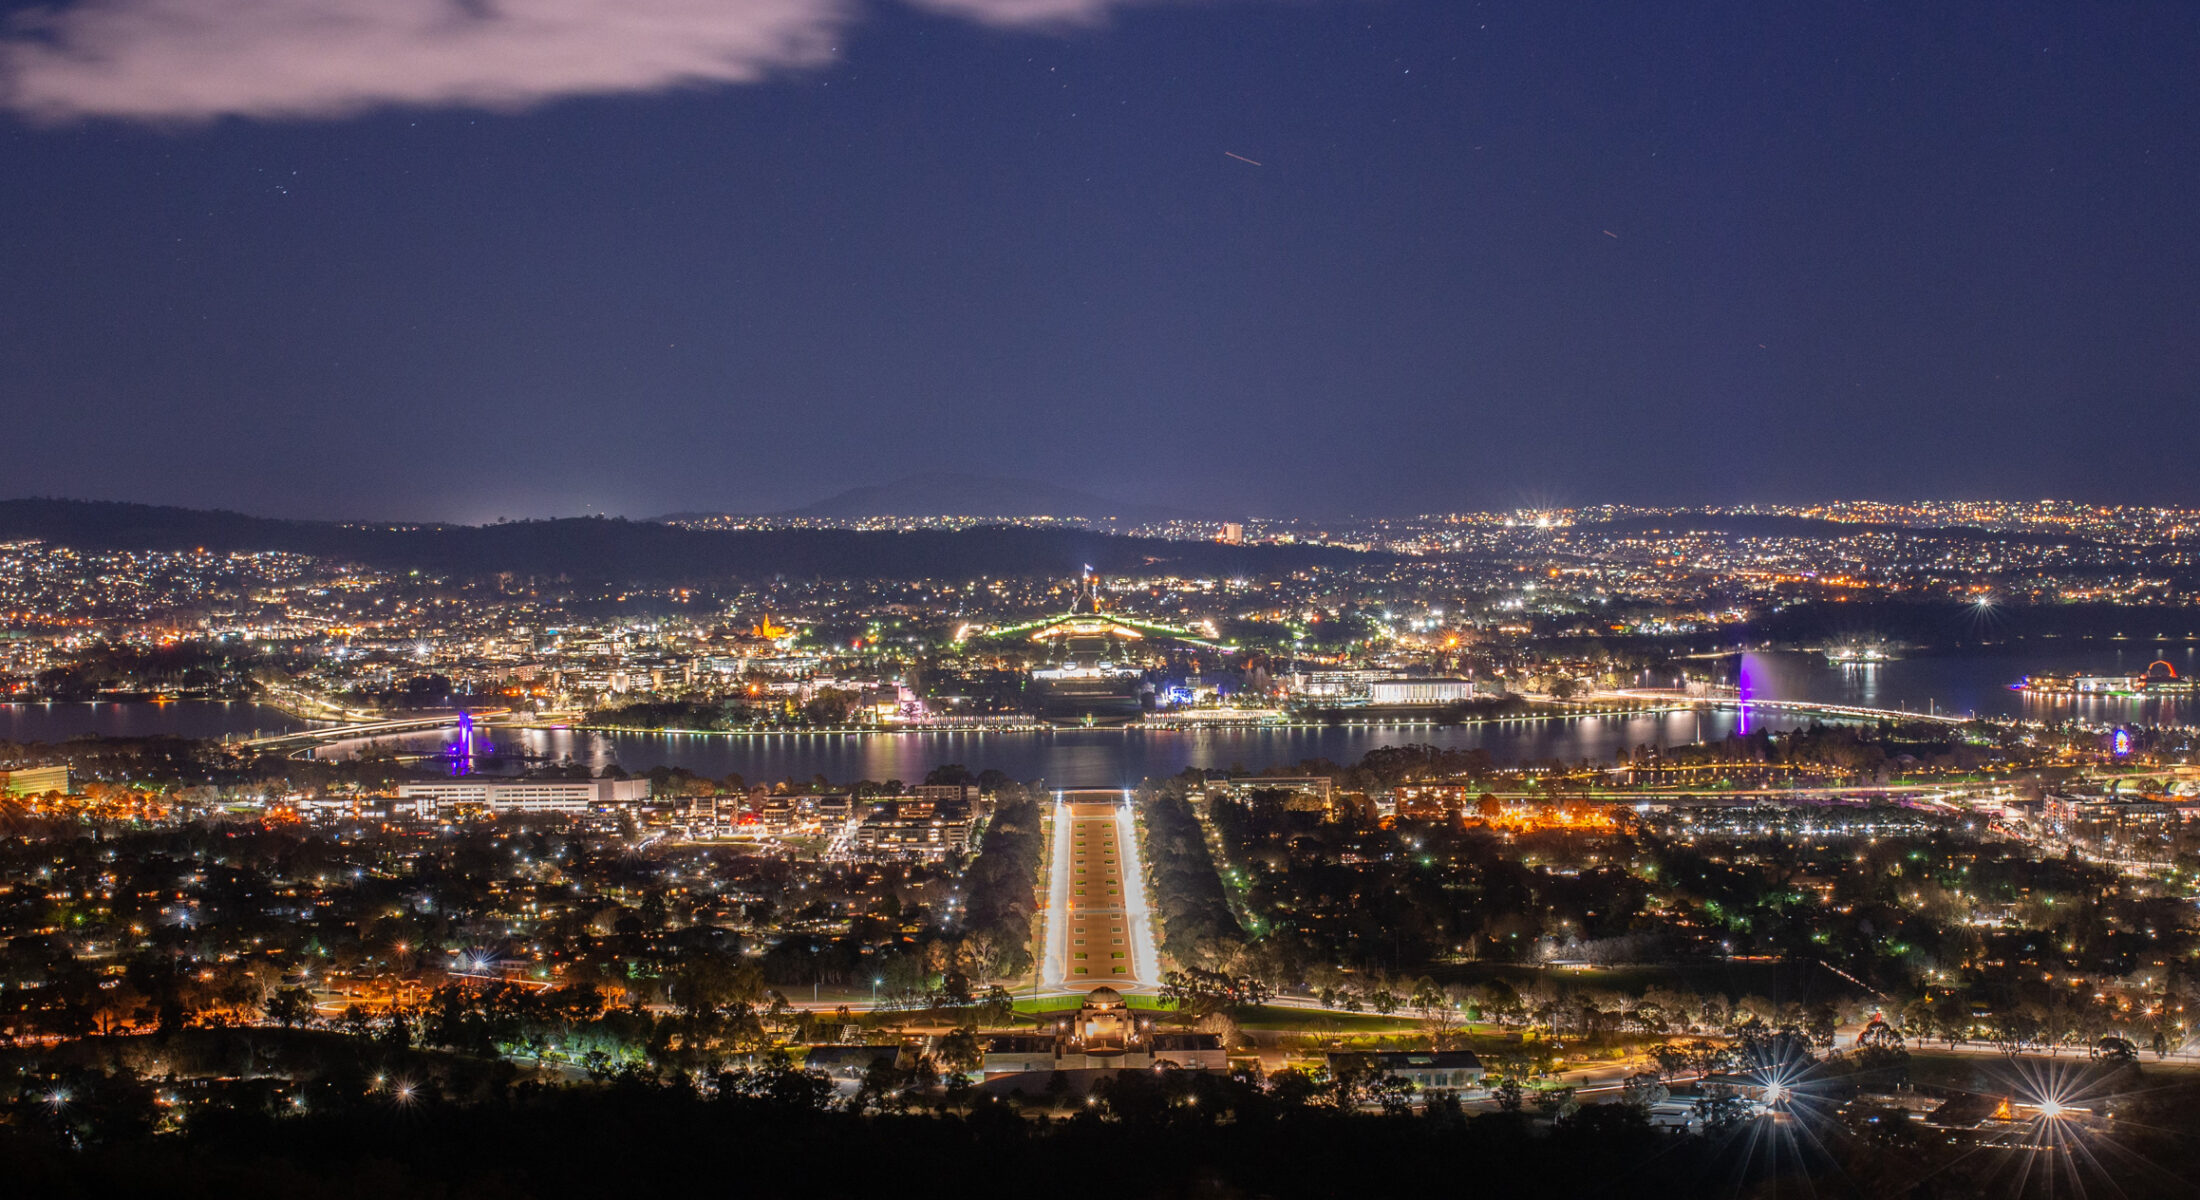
x,y
1104,1034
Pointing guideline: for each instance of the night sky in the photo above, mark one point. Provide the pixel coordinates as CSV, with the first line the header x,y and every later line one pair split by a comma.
x,y
424,258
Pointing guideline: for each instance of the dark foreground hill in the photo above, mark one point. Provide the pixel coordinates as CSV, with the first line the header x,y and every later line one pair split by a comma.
x,y
640,551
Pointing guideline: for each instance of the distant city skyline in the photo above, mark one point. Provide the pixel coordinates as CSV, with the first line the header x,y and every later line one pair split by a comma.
x,y
1257,257
961,502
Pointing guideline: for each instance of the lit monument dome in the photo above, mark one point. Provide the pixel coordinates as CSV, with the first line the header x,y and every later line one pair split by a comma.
x,y
1104,1034
1098,658
1088,628
1104,1028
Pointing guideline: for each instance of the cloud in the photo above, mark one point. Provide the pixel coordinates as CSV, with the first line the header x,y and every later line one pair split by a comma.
x,y
193,60
1023,12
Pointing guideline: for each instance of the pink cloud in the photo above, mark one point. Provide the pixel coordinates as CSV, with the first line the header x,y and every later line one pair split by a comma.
x,y
193,60
1023,12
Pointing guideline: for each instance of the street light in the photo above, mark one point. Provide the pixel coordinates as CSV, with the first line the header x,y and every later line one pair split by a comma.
x,y
874,991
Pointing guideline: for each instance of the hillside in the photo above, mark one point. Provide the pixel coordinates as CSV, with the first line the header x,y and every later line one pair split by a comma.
x,y
945,493
641,551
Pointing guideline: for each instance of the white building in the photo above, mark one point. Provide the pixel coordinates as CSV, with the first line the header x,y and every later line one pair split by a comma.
x,y
520,795
1420,691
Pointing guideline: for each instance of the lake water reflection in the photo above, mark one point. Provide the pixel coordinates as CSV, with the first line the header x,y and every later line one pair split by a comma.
x,y
1109,757
1974,680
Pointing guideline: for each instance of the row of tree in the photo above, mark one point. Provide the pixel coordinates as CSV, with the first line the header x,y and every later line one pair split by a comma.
x,y
1197,926
358,1129
1001,888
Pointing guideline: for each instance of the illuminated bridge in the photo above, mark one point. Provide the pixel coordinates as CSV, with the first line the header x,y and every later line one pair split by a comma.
x,y
1841,710
324,735
1850,711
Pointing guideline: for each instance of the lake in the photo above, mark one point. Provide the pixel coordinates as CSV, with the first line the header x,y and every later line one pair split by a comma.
x,y
1973,680
58,721
1976,680
1106,757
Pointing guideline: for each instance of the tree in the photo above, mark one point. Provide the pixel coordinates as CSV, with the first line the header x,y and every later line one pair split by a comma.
x,y
1392,1092
2115,1051
1820,1023
957,1087
1879,1033
1918,1016
1200,993
1441,1024
1879,1050
954,991
706,980
1426,995
1720,1108
1593,1124
1292,1088
289,1006
960,1051
997,1007
882,1086
1555,1102
1509,1095
780,1084
1644,1090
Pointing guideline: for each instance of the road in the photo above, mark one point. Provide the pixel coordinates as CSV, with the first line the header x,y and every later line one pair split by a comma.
x,y
1098,928
2185,1056
1796,706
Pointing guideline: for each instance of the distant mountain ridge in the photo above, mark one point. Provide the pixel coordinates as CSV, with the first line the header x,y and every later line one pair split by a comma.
x,y
602,548
961,494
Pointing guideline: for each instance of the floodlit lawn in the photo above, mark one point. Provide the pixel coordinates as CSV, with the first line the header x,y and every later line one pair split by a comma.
x,y
1053,1004
1299,1020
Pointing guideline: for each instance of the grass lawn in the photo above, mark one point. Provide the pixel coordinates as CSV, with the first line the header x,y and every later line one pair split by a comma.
x,y
1301,1020
1054,1004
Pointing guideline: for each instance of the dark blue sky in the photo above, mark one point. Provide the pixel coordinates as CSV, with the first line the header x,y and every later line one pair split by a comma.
x,y
1889,250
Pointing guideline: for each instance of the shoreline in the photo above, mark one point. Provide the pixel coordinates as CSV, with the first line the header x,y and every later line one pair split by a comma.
x,y
1161,726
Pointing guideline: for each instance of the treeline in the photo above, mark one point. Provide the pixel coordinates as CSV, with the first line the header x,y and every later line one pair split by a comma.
x,y
1003,883
671,714
1197,927
163,759
1869,750
1458,712
636,551
828,706
201,668
1145,1134
1388,766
